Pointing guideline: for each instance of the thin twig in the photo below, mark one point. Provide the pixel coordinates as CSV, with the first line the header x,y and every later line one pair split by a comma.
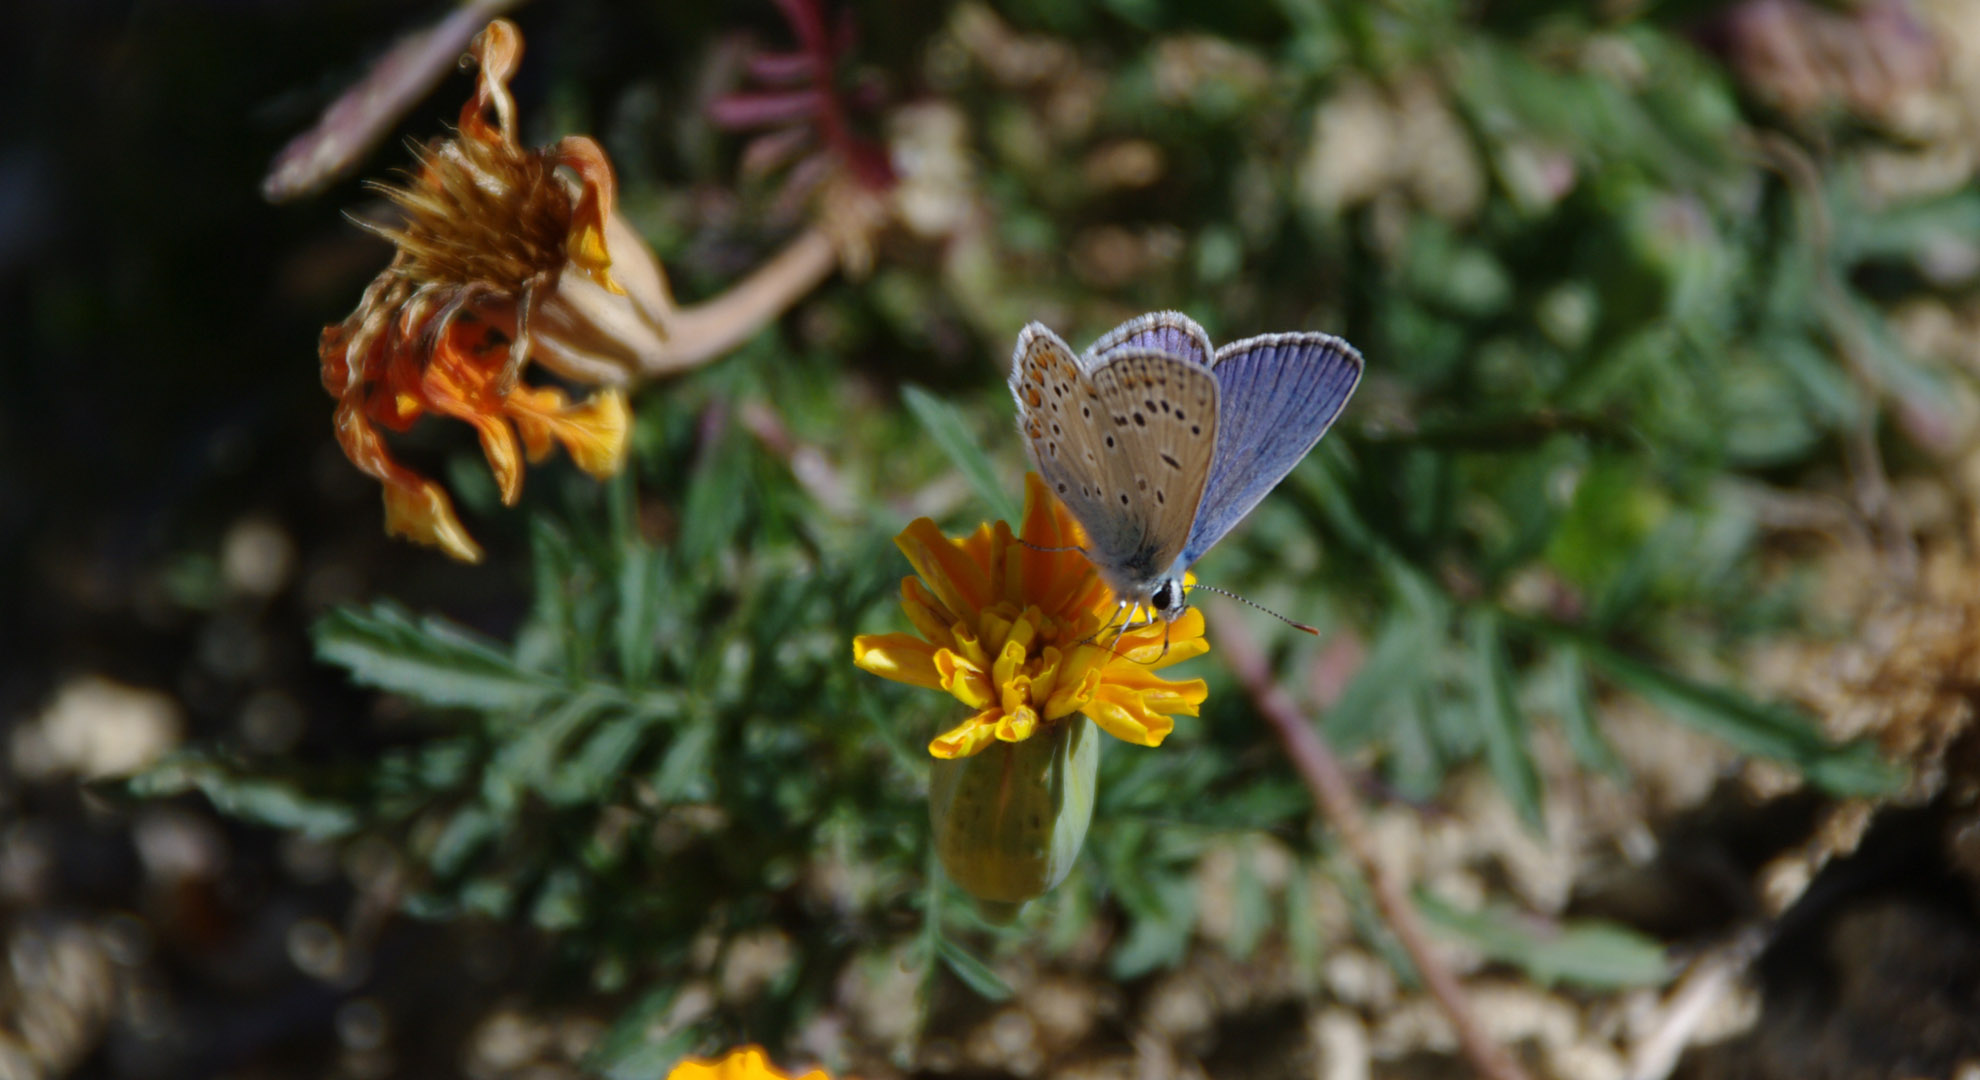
x,y
1334,793
1698,996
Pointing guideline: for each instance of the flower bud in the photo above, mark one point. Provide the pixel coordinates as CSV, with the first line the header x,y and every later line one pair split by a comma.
x,y
1010,820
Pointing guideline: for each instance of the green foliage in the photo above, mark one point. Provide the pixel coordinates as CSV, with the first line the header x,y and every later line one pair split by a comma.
x,y
1593,954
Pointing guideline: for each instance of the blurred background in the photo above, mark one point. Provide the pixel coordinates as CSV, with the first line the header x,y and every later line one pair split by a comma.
x,y
1644,556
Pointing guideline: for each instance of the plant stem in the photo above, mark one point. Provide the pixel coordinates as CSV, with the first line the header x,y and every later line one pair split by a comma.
x,y
1334,794
701,332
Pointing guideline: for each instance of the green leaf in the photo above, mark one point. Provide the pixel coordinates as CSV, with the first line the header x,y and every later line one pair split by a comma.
x,y
429,660
973,972
642,588
1588,953
1395,666
1767,730
1578,721
1500,721
261,800
952,436
637,1047
718,501
685,770
1164,919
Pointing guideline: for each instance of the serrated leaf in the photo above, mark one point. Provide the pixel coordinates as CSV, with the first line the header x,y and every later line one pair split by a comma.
x,y
1500,722
429,660
257,799
973,972
952,436
1586,952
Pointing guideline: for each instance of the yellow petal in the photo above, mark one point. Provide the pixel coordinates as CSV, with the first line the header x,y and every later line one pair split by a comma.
x,y
1076,688
1121,714
1046,679
963,679
900,657
968,737
1017,726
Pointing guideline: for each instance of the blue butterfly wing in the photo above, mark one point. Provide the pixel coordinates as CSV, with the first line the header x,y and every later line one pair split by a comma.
x,y
1170,332
1277,394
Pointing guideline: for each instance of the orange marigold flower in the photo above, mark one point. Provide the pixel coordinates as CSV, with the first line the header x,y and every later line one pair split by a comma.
x,y
505,255
1027,637
742,1063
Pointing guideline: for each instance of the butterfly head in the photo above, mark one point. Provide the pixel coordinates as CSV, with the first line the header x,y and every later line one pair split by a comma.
x,y
1166,599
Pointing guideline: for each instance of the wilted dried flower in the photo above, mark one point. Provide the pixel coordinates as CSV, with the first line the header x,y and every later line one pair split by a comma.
x,y
505,255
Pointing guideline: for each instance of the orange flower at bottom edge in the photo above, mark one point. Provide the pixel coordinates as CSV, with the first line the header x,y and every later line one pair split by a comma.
x,y
1027,637
742,1063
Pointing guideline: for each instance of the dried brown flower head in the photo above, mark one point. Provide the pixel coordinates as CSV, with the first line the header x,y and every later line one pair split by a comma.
x,y
505,255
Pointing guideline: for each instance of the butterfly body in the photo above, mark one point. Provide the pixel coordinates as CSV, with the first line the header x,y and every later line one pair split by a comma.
x,y
1159,445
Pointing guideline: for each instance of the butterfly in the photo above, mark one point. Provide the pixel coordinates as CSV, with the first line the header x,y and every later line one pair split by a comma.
x,y
1158,445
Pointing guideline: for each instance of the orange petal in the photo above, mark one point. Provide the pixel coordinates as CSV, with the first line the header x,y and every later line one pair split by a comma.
x,y
595,433
423,514
967,737
929,617
956,581
743,1063
415,507
459,382
900,657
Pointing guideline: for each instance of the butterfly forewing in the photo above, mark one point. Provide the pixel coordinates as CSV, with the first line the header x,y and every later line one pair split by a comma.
x,y
1057,413
1277,393
1125,445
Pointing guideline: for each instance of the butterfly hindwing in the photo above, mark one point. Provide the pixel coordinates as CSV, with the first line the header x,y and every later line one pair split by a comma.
x,y
1171,332
1155,426
1277,393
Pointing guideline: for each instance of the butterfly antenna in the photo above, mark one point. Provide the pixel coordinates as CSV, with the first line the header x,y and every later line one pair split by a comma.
x,y
1226,592
1035,547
